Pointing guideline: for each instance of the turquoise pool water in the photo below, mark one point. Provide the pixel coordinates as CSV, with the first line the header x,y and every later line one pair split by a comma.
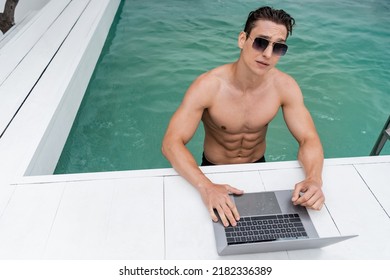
x,y
338,53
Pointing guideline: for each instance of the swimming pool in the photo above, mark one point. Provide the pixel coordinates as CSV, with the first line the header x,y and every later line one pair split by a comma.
x,y
338,53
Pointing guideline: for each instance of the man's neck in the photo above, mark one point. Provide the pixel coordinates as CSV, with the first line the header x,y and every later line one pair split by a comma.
x,y
245,79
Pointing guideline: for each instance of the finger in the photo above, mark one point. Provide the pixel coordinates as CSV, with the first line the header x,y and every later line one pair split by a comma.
x,y
229,215
235,213
233,209
213,214
222,216
296,192
317,205
305,198
233,190
315,201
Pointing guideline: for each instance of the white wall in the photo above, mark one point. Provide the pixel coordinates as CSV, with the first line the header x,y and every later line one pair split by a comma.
x,y
24,6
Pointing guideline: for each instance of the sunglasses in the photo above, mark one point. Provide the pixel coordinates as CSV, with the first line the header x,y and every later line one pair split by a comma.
x,y
261,44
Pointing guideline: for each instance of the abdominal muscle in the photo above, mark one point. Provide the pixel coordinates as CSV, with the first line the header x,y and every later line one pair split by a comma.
x,y
224,147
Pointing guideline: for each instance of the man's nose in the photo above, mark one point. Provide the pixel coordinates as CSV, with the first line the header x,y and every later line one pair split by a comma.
x,y
268,51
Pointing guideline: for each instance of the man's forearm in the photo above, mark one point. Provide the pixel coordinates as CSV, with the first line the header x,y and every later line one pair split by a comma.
x,y
311,157
184,163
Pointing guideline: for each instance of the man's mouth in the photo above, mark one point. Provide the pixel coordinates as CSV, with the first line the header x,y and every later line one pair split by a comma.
x,y
262,63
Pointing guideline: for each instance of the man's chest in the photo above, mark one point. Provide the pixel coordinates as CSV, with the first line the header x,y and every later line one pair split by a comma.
x,y
237,115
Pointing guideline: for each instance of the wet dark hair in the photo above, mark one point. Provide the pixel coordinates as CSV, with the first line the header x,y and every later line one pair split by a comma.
x,y
268,13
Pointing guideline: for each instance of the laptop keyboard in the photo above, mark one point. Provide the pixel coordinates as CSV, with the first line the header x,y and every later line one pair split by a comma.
x,y
266,228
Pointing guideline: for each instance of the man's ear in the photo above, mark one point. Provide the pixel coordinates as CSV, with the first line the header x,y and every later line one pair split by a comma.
x,y
241,39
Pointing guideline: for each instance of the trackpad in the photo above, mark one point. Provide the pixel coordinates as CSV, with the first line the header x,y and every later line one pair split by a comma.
x,y
261,203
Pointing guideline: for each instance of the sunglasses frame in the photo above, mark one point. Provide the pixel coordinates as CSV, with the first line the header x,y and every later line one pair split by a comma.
x,y
282,47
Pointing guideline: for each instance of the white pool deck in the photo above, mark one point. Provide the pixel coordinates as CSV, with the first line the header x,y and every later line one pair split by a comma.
x,y
147,214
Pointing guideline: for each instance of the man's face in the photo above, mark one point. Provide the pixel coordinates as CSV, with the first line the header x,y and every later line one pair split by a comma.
x,y
262,60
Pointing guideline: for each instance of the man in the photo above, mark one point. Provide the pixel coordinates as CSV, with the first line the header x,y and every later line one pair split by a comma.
x,y
236,102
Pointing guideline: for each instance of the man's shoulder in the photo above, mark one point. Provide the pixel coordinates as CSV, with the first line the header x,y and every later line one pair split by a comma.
x,y
206,86
287,88
213,78
217,73
284,82
281,77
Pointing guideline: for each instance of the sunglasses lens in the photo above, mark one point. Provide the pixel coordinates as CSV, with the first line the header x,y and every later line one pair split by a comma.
x,y
261,44
280,49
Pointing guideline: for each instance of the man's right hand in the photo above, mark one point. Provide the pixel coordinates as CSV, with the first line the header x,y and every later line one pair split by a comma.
x,y
216,197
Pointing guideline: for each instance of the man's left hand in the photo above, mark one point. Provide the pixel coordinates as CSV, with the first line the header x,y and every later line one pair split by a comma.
x,y
308,193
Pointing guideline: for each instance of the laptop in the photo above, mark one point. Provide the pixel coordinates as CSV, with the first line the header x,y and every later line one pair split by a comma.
x,y
269,222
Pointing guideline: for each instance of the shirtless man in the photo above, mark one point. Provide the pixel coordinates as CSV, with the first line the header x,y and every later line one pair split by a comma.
x,y
236,102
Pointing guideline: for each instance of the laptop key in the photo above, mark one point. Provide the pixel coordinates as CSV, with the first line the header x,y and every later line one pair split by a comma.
x,y
229,229
231,240
263,217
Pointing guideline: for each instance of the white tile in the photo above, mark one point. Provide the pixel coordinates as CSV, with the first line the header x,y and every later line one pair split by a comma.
x,y
377,177
96,176
355,211
188,225
281,179
136,226
99,220
80,227
26,222
247,167
357,160
6,192
248,181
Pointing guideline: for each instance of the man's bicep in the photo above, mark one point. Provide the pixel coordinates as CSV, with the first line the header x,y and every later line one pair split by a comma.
x,y
184,123
299,121
186,119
